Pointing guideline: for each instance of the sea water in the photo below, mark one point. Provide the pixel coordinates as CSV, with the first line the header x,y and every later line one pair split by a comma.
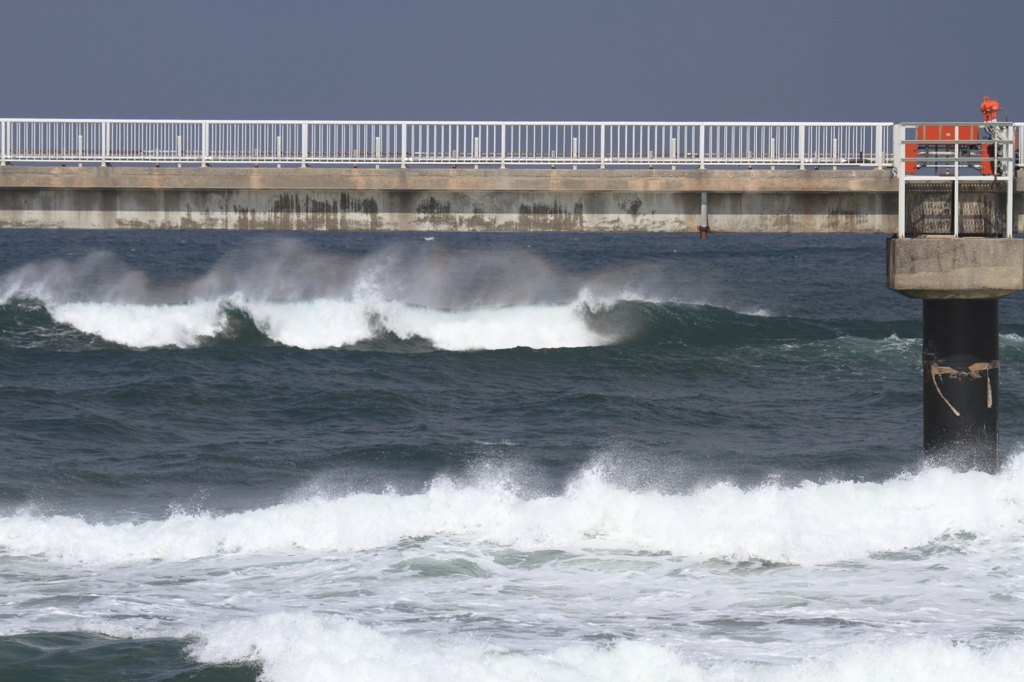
x,y
367,456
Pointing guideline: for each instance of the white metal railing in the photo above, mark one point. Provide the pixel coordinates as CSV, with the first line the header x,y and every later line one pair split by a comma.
x,y
404,143
941,154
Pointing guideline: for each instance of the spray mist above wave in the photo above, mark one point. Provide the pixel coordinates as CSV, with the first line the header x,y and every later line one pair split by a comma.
x,y
289,271
809,524
470,300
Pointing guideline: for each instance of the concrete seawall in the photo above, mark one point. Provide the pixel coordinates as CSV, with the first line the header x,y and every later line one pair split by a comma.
x,y
447,199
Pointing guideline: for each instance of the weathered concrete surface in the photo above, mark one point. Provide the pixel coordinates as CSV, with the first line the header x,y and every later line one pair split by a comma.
x,y
462,179
446,199
955,267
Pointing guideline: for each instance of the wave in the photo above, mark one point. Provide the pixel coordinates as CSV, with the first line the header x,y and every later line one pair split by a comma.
x,y
288,294
811,523
324,323
335,323
305,646
296,297
586,321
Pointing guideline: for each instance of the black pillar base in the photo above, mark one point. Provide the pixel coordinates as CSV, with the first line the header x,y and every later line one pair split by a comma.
x,y
961,383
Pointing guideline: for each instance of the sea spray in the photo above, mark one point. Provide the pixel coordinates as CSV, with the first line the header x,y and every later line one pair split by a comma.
x,y
296,296
806,524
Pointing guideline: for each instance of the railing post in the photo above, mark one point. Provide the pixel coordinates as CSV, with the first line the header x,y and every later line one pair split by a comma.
x,y
897,157
3,142
104,143
1010,180
879,146
404,148
502,145
602,146
206,145
956,185
802,146
702,146
1019,157
305,143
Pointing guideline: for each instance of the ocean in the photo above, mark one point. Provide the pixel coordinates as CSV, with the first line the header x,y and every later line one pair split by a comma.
x,y
531,457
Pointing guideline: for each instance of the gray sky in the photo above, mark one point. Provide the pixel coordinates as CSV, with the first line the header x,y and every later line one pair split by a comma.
x,y
656,60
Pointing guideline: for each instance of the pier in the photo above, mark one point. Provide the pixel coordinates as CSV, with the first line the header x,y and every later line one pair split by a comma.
x,y
949,193
621,200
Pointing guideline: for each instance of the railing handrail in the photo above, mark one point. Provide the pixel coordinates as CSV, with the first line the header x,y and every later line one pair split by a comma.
x,y
601,143
465,122
920,124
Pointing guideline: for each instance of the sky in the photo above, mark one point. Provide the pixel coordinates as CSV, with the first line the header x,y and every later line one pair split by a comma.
x,y
529,60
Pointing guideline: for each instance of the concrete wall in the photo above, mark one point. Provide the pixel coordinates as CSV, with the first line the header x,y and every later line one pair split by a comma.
x,y
935,266
448,199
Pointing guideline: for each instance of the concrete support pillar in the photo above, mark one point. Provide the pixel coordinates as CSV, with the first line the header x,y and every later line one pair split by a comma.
x,y
960,281
961,382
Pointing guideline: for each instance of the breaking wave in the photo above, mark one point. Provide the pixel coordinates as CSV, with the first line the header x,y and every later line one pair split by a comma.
x,y
811,523
332,323
304,646
309,300
456,301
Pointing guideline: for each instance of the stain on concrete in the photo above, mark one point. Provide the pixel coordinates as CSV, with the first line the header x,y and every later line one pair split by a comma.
x,y
315,211
282,209
369,207
553,217
632,207
437,214
480,219
187,223
499,210
321,214
245,217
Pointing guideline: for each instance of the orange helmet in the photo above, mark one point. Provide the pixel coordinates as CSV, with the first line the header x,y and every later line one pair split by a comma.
x,y
989,109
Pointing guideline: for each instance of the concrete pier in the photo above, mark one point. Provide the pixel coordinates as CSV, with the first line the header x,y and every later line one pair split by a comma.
x,y
959,280
960,357
464,199
935,267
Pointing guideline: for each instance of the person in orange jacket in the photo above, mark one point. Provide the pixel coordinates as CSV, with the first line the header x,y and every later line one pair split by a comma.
x,y
989,109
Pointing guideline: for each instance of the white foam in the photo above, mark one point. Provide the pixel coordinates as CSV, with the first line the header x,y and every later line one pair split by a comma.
x,y
530,326
320,323
293,647
807,524
144,326
325,323
466,301
332,323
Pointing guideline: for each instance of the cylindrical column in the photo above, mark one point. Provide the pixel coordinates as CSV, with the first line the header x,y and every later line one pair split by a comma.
x,y
961,382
